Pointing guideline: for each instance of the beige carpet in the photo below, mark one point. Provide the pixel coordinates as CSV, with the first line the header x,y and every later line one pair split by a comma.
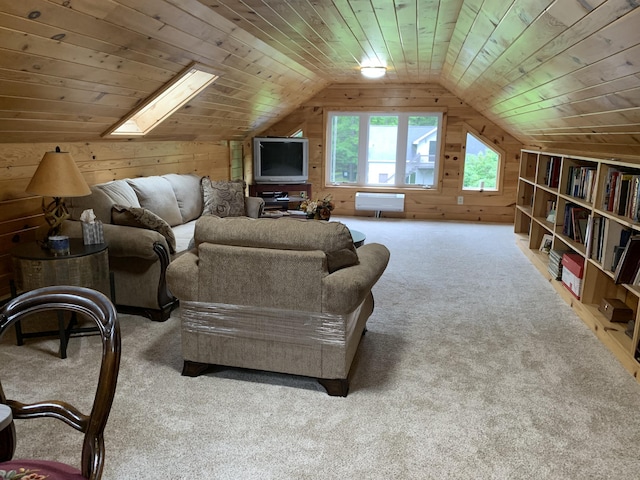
x,y
472,368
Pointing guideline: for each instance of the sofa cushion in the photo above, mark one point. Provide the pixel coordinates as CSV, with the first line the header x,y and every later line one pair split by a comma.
x,y
98,201
143,218
223,198
156,194
120,193
187,191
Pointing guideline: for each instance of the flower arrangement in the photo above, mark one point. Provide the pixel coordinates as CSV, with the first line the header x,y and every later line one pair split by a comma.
x,y
318,209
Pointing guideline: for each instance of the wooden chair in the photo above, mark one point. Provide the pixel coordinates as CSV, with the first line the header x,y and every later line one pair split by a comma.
x,y
97,307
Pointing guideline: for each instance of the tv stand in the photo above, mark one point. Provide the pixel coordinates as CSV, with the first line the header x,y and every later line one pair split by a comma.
x,y
268,189
271,193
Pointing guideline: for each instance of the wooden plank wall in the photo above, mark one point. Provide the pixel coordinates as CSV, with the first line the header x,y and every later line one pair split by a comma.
x,y
21,217
438,203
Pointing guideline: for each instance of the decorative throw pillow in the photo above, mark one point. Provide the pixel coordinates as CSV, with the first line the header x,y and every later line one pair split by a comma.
x,y
142,218
345,257
223,198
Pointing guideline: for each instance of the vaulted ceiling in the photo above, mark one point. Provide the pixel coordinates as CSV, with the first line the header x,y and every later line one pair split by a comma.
x,y
550,72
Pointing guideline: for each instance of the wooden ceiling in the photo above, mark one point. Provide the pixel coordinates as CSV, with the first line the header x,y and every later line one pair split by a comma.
x,y
550,72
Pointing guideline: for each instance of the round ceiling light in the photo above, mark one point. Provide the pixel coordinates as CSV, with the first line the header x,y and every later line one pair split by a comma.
x,y
373,72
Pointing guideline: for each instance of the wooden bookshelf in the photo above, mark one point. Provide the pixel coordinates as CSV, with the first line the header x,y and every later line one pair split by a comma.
x,y
569,184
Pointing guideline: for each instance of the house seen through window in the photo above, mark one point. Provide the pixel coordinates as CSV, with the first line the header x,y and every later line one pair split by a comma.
x,y
377,148
481,165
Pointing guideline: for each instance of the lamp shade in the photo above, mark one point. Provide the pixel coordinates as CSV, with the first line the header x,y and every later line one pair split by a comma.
x,y
58,176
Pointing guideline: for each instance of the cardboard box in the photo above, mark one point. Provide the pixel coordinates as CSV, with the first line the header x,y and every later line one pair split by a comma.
x,y
615,310
572,271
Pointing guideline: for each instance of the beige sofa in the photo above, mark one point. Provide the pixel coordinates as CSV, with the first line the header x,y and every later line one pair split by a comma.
x,y
147,223
281,295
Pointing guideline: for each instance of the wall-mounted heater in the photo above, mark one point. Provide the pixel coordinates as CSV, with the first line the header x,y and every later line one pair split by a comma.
x,y
380,202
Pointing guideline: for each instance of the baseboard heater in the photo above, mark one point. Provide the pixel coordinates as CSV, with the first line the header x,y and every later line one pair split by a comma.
x,y
380,202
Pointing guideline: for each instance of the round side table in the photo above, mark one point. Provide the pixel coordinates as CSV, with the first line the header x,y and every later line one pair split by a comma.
x,y
35,267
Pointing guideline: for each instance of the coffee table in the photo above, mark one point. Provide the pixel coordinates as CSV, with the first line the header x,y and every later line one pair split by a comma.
x,y
358,238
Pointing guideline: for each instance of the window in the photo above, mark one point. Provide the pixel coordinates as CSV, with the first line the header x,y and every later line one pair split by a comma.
x,y
377,148
481,165
162,104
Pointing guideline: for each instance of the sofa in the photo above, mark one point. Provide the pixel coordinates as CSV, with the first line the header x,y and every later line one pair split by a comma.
x,y
147,223
283,295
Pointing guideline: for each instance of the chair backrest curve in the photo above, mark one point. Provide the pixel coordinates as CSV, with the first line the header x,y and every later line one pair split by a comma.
x,y
97,307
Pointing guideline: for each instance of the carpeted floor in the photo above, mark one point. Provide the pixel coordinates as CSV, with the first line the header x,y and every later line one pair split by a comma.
x,y
472,368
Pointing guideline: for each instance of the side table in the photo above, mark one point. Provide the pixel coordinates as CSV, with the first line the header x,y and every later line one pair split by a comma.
x,y
35,267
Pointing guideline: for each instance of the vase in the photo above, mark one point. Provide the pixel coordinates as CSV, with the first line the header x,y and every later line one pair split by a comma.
x,y
320,214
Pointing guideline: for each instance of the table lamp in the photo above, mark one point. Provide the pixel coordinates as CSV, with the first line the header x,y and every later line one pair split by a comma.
x,y
57,176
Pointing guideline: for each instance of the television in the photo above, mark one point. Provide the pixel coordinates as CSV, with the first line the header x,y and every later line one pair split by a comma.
x,y
280,159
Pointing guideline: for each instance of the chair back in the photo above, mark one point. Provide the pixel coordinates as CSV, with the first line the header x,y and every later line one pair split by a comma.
x,y
92,305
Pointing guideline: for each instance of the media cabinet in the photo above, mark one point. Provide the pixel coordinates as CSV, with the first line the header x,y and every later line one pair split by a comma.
x,y
565,183
270,192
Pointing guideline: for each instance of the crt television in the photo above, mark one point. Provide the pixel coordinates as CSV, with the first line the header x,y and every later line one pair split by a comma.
x,y
280,159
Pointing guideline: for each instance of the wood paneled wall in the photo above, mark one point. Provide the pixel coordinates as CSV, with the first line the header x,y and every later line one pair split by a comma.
x,y
21,217
440,203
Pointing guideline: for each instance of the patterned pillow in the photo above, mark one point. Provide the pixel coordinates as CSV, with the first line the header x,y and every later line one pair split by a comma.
x,y
224,198
142,218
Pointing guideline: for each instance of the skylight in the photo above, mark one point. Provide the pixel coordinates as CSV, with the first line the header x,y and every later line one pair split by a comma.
x,y
165,102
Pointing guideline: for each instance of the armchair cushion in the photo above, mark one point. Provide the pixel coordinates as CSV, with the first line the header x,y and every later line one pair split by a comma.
x,y
345,257
36,469
223,198
143,218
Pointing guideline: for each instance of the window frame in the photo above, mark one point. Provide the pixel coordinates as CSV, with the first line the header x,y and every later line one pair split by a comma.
x,y
405,113
466,130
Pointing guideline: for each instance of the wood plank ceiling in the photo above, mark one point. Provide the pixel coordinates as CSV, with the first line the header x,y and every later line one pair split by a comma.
x,y
550,72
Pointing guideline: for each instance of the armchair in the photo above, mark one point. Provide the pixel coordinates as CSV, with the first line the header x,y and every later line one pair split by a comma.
x,y
289,296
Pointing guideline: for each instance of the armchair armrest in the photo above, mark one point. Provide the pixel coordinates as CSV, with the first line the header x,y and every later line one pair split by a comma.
x,y
182,276
124,241
345,289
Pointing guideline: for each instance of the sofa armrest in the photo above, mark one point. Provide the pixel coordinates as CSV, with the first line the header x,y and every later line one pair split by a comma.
x,y
254,206
182,268
124,241
345,289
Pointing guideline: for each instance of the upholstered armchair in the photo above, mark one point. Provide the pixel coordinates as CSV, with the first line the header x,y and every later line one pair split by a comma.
x,y
285,295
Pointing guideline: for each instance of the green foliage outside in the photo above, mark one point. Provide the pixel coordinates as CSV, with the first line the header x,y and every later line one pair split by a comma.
x,y
345,130
482,167
345,148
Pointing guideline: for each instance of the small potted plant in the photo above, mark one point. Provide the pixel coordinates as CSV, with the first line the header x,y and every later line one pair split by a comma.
x,y
318,209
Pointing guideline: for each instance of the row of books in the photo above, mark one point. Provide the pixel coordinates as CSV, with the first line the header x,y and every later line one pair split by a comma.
x,y
622,194
581,182
607,240
576,220
552,172
628,267
555,263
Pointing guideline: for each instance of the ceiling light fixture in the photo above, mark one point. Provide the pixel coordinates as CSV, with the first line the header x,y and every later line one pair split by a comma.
x,y
373,72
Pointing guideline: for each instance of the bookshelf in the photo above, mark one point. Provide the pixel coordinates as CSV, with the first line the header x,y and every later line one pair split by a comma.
x,y
597,208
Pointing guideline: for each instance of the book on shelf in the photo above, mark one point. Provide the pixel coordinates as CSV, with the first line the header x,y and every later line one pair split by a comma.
x,y
627,267
552,174
614,235
581,182
551,211
575,222
555,263
622,194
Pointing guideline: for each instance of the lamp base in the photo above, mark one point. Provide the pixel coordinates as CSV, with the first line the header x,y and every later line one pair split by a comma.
x,y
55,213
